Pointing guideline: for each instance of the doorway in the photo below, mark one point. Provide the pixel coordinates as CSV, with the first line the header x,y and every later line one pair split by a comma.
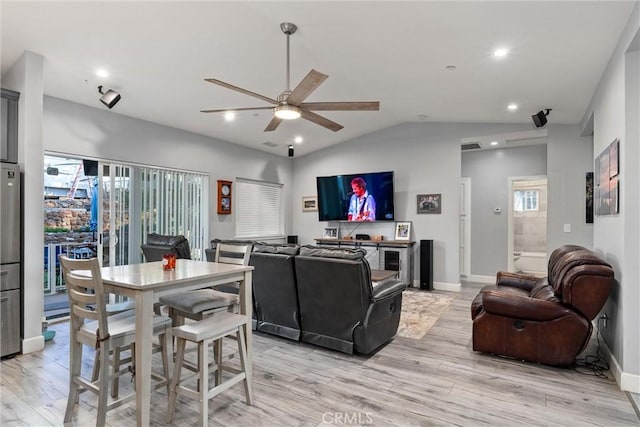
x,y
527,233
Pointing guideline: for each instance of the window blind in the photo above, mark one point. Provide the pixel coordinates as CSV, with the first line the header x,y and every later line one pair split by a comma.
x,y
259,209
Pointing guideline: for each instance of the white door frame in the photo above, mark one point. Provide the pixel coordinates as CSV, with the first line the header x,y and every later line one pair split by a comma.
x,y
465,227
510,233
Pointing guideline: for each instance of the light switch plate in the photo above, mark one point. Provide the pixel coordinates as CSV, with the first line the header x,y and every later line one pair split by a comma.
x,y
567,228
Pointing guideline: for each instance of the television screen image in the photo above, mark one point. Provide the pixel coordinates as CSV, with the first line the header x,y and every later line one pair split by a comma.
x,y
363,197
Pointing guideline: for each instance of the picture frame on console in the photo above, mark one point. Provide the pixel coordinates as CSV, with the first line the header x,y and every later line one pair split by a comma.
x,y
403,231
330,233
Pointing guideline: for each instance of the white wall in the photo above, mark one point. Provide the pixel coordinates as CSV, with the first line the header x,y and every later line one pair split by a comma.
x,y
614,113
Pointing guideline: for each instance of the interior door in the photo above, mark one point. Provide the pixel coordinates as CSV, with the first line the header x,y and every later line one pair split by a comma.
x,y
465,227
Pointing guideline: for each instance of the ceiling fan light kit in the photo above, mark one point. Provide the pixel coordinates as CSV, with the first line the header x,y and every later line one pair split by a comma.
x,y
286,112
290,104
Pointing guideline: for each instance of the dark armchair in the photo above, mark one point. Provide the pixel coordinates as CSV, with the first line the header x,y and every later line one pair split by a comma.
x,y
543,320
339,307
158,245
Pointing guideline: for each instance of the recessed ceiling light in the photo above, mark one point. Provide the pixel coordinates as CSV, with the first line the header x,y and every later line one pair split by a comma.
x,y
102,73
298,139
512,107
230,116
493,143
499,53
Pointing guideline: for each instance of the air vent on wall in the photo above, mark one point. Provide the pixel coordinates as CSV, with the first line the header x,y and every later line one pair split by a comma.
x,y
270,144
472,146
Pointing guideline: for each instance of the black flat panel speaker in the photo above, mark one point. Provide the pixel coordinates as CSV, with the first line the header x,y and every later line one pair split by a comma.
x,y
426,264
292,240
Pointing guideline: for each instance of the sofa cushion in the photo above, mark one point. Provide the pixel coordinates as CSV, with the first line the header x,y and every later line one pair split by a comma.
x,y
544,292
340,253
277,249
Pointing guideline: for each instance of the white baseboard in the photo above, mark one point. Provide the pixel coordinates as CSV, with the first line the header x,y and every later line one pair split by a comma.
x,y
626,381
31,345
441,286
481,279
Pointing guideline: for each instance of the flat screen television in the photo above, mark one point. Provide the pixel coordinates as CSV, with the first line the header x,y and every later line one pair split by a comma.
x,y
360,197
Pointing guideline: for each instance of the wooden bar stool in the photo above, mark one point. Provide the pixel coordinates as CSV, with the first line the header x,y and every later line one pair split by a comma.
x,y
205,332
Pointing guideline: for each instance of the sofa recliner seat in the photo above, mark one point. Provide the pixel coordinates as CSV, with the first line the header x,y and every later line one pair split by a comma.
x,y
544,320
339,307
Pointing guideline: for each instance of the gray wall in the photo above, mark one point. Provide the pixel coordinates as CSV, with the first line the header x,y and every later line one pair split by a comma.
x,y
569,158
613,112
76,129
489,171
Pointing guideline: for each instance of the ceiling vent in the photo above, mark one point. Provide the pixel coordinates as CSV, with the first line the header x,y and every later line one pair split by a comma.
x,y
270,144
471,146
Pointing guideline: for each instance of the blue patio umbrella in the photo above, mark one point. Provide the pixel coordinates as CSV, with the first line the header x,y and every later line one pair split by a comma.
x,y
93,222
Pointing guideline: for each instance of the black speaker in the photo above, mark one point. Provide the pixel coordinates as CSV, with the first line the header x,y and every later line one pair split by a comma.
x,y
292,240
426,265
90,167
540,118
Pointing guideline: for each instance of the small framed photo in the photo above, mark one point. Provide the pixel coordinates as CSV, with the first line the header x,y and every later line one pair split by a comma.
x,y
403,230
330,233
429,203
309,203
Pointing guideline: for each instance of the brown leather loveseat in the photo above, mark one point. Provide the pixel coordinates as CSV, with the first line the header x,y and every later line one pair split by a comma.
x,y
543,320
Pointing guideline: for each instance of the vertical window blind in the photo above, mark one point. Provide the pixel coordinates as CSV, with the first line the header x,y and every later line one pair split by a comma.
x,y
259,209
175,202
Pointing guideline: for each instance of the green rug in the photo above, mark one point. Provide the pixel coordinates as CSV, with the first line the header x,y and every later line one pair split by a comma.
x,y
420,311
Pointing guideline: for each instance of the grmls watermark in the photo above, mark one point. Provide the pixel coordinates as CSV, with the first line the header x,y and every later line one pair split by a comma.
x,y
347,418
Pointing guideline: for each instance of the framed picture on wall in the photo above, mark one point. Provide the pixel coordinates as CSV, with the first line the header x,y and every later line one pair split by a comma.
x,y
429,203
309,203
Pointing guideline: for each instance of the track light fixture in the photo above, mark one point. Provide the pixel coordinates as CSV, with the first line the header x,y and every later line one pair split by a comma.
x,y
291,151
109,98
540,118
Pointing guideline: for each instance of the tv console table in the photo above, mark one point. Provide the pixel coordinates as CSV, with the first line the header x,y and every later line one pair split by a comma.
x,y
394,255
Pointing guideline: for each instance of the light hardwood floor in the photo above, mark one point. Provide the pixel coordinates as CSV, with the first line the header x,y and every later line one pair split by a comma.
x,y
437,380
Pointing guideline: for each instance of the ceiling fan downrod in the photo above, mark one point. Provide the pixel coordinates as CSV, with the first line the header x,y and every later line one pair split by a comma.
x,y
288,28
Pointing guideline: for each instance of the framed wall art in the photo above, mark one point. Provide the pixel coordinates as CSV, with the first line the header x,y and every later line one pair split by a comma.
x,y
309,203
429,203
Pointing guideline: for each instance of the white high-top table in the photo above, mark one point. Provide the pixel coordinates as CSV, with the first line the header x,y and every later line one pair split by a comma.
x,y
146,282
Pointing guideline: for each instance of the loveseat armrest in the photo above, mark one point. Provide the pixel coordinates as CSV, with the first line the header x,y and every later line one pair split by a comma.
x,y
521,307
516,280
386,289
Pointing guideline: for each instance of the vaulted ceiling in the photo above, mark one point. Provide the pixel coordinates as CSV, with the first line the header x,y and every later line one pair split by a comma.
x,y
424,60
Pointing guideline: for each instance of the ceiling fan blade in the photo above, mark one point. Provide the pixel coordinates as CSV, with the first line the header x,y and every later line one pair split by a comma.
x,y
306,86
341,106
322,121
273,124
236,109
239,89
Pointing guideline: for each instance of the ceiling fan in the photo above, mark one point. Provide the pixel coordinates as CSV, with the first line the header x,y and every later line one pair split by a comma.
x,y
290,103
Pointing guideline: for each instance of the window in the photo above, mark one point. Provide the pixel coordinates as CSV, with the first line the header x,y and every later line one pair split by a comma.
x,y
525,200
259,209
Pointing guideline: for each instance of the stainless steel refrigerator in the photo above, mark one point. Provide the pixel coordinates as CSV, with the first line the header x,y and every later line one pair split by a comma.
x,y
10,258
